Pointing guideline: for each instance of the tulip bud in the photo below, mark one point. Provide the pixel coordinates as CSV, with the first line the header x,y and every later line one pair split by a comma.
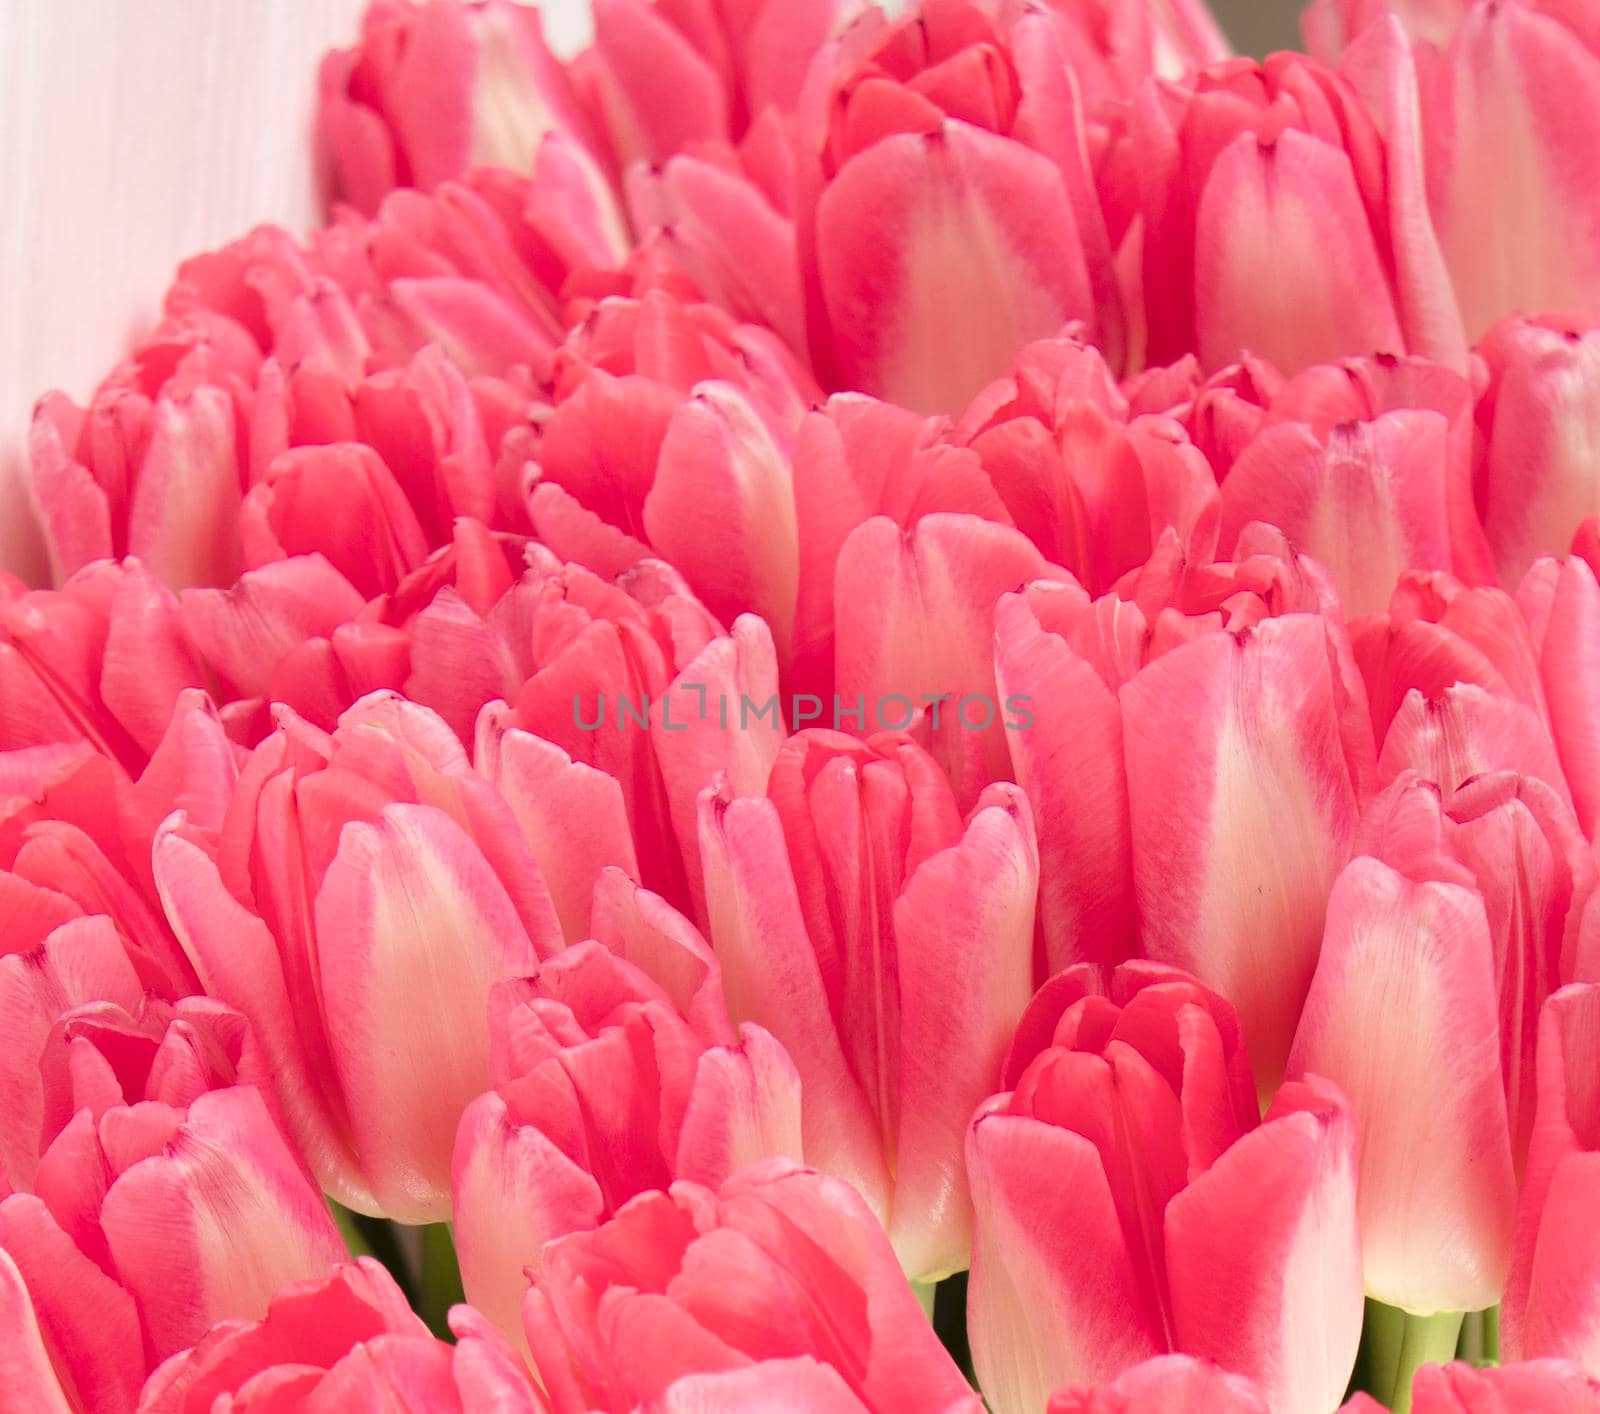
x,y
1470,903
1538,412
1211,182
776,1290
1248,663
379,836
949,184
616,1071
862,922
1141,1109
1549,1309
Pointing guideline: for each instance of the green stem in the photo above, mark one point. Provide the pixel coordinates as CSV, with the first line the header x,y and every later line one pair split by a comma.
x,y
1398,1343
345,1221
1470,1346
925,1291
1491,1335
439,1284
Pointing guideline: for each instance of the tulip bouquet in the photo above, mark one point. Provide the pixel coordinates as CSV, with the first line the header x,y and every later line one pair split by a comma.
x,y
837,713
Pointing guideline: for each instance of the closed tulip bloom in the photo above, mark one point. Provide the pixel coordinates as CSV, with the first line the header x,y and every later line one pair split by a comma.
x,y
1536,483
354,872
777,1284
76,833
856,459
946,179
1168,1384
1222,412
1366,467
670,437
616,1071
1210,182
151,1221
1330,26
345,1340
1549,1302
1218,860
867,926
1533,70
622,692
102,660
666,77
1130,1202
1092,485
1560,600
1470,904
1453,679
434,89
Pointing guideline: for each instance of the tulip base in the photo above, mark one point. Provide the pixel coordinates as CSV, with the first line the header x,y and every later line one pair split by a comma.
x,y
1395,1344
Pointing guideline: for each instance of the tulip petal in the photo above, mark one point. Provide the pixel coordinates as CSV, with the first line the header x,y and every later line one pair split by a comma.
x,y
417,912
963,932
1285,264
1052,1299
211,1227
1236,840
1264,1257
940,255
28,1383
1437,1188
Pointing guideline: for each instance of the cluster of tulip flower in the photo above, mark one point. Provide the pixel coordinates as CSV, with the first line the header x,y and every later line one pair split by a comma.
x,y
1221,1034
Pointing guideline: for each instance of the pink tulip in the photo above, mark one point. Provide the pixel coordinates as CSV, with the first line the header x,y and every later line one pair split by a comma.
x,y
151,1221
103,660
434,89
75,838
1537,1387
1366,467
296,632
1470,904
915,611
1217,859
344,1341
669,77
947,216
1535,483
616,1071
1561,601
670,436
1209,184
1550,1308
475,267
778,1286
78,1018
1090,484
1501,103
354,873
1222,414
1168,1384
867,927
1453,678
1129,1203
856,459
720,219
624,697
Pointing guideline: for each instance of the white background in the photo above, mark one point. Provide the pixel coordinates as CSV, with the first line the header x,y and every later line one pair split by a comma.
x,y
136,132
